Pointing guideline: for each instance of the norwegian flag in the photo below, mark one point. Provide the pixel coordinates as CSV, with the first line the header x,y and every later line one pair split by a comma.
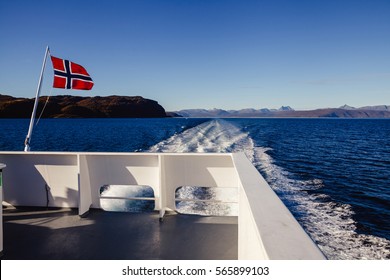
x,y
70,75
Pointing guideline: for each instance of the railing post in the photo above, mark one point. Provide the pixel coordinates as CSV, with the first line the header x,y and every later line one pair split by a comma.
x,y
162,198
2,166
84,188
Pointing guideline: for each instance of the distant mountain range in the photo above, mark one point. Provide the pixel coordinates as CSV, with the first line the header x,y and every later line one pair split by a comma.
x,y
67,106
380,111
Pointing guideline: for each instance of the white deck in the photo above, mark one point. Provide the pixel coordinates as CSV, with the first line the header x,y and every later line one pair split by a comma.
x,y
266,229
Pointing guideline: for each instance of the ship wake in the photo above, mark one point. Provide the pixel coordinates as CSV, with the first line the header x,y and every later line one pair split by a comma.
x,y
215,136
330,224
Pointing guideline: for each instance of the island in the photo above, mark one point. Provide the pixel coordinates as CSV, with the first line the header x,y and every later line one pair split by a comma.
x,y
67,106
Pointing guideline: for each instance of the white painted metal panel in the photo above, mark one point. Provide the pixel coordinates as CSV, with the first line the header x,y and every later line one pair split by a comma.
x,y
281,235
30,173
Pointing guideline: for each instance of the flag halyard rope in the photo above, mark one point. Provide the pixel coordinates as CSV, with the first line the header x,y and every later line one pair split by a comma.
x,y
44,107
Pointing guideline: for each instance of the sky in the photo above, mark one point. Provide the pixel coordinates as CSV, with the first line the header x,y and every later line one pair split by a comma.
x,y
187,54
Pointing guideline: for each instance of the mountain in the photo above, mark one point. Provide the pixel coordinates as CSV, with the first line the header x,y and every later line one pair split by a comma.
x,y
376,108
347,107
367,108
286,108
381,111
337,113
220,113
66,106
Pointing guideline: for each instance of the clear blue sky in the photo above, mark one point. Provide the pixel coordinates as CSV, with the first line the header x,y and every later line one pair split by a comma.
x,y
228,54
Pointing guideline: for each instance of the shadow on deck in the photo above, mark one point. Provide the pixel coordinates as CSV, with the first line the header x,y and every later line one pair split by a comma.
x,y
60,234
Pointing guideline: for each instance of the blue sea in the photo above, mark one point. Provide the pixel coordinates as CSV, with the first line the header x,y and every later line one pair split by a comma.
x,y
333,174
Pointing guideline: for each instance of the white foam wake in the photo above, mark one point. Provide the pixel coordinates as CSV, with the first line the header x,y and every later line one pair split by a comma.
x,y
215,136
329,224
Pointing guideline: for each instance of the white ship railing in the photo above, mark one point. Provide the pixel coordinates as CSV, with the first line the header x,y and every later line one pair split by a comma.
x,y
266,228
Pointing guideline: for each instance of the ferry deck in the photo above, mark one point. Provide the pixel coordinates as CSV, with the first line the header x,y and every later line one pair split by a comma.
x,y
54,209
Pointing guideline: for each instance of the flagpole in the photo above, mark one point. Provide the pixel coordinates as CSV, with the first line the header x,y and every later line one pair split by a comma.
x,y
30,129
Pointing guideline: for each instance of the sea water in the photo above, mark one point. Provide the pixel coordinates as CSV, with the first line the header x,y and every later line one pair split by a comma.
x,y
332,174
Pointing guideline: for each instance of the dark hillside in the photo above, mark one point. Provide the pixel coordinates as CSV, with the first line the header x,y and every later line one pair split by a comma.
x,y
66,106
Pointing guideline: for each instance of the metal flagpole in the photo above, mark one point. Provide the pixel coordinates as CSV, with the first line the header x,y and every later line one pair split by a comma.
x,y
30,129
